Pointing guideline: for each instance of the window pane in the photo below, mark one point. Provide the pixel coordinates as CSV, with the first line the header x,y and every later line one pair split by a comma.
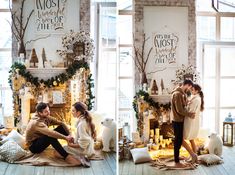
x,y
4,4
209,119
209,61
204,5
107,69
7,102
226,6
124,4
124,117
125,29
226,92
125,60
227,28
227,62
106,102
5,37
209,92
108,26
206,28
5,64
125,93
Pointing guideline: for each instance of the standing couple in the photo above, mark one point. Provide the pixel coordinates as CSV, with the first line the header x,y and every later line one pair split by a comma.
x,y
39,136
186,118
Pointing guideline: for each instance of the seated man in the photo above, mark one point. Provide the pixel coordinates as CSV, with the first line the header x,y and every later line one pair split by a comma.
x,y
39,136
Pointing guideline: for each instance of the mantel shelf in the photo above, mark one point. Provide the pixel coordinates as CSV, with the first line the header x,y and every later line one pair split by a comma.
x,y
161,98
46,73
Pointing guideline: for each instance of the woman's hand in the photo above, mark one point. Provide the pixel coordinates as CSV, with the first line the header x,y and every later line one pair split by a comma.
x,y
73,145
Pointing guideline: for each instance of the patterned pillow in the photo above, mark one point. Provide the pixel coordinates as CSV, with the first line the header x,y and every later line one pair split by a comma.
x,y
210,159
11,151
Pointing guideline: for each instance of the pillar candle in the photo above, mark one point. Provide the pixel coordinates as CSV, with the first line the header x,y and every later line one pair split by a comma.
x,y
157,132
161,137
156,139
151,133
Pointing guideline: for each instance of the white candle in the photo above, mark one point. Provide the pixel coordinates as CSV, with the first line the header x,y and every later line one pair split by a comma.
x,y
161,137
157,132
156,139
151,133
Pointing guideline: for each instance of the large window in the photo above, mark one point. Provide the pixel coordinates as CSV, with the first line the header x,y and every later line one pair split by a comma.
x,y
216,43
5,60
125,74
103,27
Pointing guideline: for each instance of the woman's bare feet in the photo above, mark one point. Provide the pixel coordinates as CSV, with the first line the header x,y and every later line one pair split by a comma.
x,y
85,161
194,159
72,160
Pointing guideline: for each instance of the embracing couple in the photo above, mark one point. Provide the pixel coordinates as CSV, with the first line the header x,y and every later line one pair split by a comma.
x,y
39,136
186,118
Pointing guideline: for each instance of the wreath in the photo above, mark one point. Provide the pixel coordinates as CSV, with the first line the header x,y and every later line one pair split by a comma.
x,y
72,39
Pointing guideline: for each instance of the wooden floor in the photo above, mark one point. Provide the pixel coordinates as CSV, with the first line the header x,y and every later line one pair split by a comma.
x,y
227,168
99,167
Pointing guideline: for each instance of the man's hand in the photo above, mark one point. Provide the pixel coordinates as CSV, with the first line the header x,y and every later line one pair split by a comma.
x,y
69,139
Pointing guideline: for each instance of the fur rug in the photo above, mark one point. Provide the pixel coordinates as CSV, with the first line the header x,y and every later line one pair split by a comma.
x,y
47,158
168,164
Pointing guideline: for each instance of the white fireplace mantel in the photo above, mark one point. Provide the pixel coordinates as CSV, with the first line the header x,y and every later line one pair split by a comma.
x,y
46,73
162,99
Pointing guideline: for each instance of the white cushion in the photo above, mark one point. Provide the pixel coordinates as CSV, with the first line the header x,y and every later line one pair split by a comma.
x,y
11,151
140,155
210,159
18,138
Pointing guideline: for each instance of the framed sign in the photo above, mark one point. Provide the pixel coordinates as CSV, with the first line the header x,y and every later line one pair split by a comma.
x,y
50,16
165,46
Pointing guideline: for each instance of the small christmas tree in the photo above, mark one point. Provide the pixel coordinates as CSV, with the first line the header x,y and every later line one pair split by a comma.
x,y
44,58
154,89
34,58
162,84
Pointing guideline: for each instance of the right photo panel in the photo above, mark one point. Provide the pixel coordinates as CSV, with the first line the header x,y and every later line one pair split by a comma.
x,y
175,109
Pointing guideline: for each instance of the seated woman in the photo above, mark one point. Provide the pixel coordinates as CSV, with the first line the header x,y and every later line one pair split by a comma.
x,y
85,133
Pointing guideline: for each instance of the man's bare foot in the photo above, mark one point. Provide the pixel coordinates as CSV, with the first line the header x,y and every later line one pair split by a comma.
x,y
180,165
57,155
72,160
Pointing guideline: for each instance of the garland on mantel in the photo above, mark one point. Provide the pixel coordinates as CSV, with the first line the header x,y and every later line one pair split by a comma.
x,y
145,96
53,81
20,69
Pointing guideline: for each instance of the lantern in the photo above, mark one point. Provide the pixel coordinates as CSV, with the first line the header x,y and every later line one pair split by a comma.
x,y
228,133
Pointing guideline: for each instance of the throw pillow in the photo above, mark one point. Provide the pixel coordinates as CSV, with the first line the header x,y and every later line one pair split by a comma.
x,y
140,155
17,137
210,159
11,151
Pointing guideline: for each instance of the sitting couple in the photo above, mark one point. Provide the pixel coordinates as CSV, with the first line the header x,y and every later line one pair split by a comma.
x,y
186,118
39,136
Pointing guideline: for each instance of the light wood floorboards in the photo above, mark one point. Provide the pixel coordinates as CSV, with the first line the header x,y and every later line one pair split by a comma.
x,y
127,167
99,167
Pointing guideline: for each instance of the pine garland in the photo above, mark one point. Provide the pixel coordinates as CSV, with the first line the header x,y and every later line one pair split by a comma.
x,y
57,80
145,96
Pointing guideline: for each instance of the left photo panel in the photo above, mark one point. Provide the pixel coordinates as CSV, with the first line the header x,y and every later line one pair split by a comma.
x,y
58,95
